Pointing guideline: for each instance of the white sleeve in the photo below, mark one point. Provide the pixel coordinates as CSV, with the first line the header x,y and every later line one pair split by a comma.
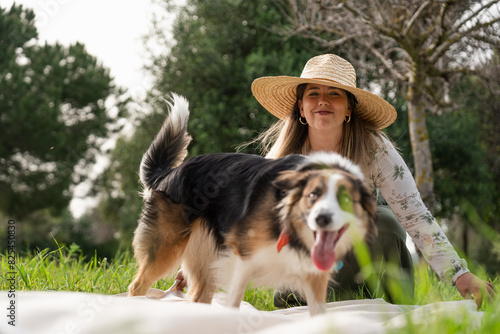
x,y
391,175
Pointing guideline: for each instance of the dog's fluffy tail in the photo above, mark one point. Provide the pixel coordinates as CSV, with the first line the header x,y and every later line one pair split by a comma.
x,y
169,148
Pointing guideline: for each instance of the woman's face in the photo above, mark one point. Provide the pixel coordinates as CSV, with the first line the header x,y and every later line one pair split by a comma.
x,y
324,107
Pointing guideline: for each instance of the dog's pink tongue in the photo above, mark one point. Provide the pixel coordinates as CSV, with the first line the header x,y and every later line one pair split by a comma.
x,y
322,252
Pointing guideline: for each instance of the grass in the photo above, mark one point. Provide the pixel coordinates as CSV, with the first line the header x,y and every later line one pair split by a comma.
x,y
66,269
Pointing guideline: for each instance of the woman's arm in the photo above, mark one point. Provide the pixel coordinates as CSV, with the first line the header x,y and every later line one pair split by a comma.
x,y
392,176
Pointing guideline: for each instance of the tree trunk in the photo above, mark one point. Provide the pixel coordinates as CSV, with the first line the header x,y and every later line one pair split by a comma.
x,y
424,175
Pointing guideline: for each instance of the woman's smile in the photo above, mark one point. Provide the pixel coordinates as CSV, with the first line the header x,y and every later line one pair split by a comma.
x,y
323,112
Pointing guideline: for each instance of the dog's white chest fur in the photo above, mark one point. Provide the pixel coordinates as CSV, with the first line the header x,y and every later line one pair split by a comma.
x,y
266,267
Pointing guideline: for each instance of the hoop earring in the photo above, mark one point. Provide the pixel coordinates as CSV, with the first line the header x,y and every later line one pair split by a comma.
x,y
303,122
348,118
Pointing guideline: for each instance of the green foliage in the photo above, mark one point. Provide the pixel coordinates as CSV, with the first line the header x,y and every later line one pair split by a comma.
x,y
53,116
121,202
221,47
430,290
66,269
460,162
39,229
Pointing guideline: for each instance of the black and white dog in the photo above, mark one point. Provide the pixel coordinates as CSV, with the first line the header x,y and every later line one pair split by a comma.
x,y
231,219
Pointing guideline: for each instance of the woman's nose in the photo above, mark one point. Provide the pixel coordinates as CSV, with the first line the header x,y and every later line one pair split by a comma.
x,y
323,99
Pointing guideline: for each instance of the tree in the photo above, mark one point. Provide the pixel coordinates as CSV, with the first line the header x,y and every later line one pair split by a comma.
x,y
426,45
53,116
488,110
218,48
463,144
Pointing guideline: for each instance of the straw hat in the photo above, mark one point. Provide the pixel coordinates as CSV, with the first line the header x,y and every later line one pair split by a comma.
x,y
278,94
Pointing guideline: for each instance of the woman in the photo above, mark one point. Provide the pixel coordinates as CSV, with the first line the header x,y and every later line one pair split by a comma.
x,y
322,110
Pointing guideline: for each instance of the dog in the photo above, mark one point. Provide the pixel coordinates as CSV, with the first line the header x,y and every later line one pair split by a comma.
x,y
234,218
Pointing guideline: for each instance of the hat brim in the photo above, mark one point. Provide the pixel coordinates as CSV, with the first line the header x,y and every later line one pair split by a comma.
x,y
278,95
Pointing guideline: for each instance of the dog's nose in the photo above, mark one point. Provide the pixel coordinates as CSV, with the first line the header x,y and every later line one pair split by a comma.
x,y
323,219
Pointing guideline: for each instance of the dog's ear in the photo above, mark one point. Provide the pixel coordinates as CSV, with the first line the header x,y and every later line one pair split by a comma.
x,y
369,204
290,179
367,200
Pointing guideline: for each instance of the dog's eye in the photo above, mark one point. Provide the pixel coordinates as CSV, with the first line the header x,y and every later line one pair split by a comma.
x,y
313,197
345,200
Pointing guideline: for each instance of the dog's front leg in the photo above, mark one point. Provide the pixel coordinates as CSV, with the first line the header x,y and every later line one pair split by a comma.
x,y
239,281
315,292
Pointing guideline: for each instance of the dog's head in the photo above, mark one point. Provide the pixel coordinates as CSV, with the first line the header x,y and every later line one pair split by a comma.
x,y
326,204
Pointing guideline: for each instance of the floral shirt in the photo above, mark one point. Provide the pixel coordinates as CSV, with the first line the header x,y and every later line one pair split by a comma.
x,y
388,172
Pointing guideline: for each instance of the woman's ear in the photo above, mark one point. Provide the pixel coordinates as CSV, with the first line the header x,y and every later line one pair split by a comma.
x,y
299,104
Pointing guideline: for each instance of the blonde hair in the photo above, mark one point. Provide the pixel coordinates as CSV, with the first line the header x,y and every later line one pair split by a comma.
x,y
288,136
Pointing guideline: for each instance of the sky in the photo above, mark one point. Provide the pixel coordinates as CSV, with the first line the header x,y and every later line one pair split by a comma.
x,y
112,31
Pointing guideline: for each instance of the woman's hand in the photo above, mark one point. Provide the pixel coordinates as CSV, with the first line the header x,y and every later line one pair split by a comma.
x,y
472,287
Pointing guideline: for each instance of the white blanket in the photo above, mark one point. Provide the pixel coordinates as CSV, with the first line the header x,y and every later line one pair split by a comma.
x,y
74,312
